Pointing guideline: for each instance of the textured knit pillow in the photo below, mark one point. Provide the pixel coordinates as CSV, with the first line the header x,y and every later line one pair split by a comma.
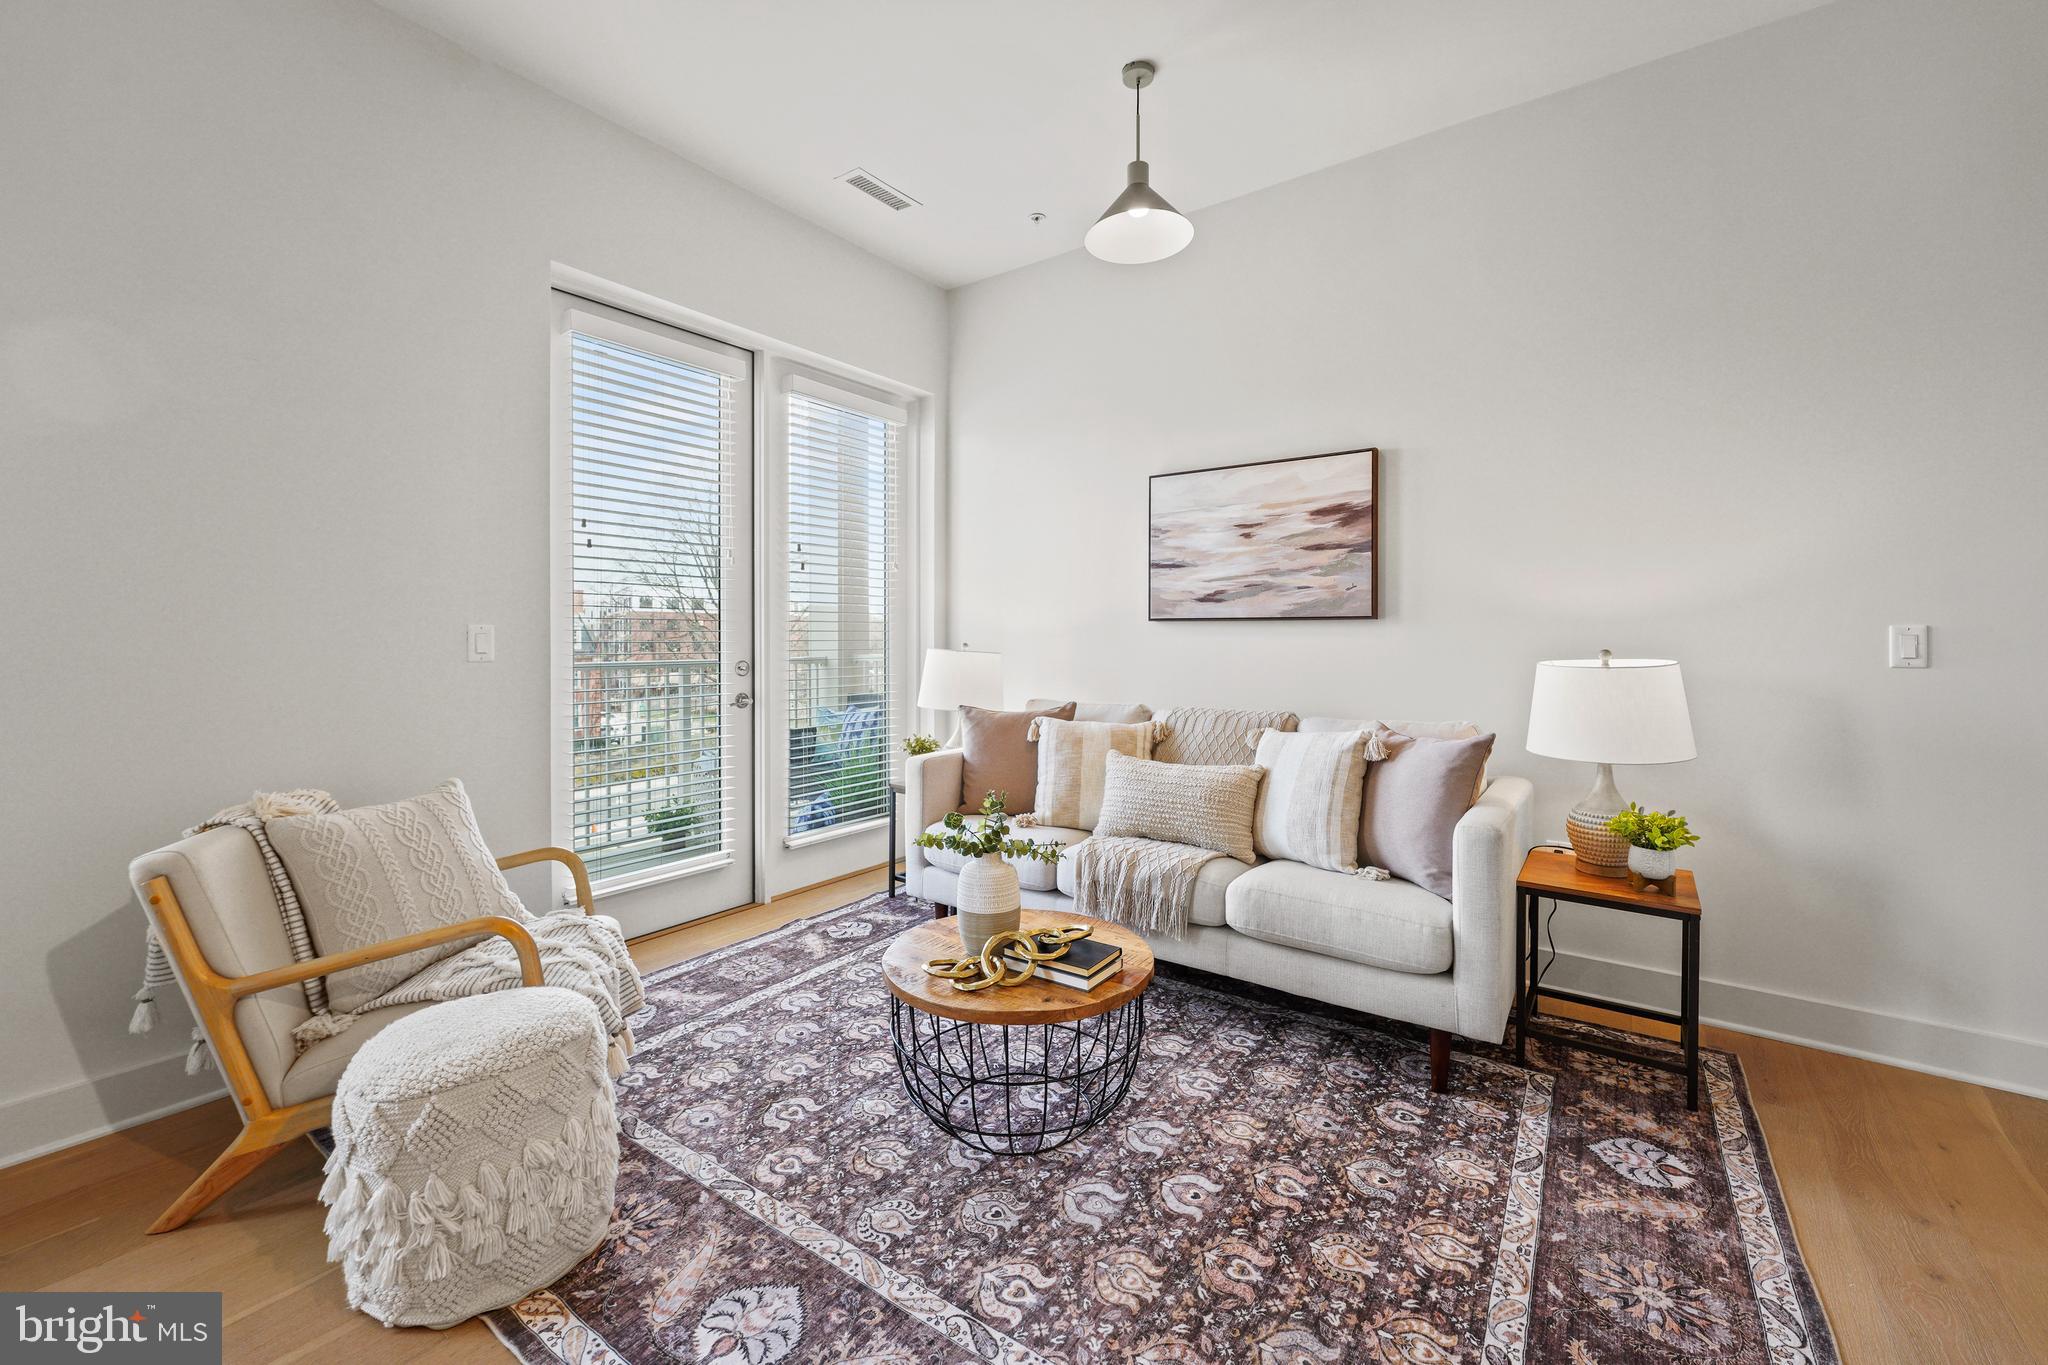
x,y
1315,788
997,754
1414,799
1114,712
1073,756
1203,806
379,872
1204,734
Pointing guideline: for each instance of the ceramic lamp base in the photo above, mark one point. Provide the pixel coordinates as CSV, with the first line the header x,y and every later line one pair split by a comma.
x,y
1596,851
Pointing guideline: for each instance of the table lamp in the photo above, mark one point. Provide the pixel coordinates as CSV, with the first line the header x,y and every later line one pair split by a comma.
x,y
954,678
1606,711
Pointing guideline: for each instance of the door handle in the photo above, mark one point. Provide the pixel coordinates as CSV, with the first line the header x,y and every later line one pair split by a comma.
x,y
742,701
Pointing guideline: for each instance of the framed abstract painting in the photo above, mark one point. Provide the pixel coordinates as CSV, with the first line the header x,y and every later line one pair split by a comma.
x,y
1292,539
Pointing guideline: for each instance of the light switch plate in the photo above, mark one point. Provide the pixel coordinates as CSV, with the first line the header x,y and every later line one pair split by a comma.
x,y
1908,647
483,644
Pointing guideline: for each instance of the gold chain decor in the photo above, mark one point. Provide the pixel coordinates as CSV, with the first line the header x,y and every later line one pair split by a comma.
x,y
979,973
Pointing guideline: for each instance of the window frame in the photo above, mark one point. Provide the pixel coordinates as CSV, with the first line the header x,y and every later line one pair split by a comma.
x,y
782,376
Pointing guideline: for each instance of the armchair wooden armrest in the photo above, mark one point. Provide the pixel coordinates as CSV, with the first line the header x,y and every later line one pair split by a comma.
x,y
522,943
555,855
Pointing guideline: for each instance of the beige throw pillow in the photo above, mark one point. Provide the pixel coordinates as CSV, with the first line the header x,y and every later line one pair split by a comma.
x,y
1315,789
1414,799
997,755
1073,756
1202,806
379,872
1207,734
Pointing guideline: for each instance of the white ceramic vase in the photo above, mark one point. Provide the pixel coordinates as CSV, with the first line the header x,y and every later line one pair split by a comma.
x,y
1652,864
988,900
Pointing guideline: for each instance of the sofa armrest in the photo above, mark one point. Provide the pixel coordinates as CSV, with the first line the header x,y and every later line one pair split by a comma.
x,y
1487,849
931,787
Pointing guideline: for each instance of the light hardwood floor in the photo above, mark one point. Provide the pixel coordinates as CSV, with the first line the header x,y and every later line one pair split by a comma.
x,y
1919,1202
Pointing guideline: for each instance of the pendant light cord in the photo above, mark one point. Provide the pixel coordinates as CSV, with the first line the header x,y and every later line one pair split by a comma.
x,y
1138,131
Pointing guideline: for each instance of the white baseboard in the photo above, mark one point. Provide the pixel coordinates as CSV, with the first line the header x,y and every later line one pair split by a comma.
x,y
1994,1059
51,1120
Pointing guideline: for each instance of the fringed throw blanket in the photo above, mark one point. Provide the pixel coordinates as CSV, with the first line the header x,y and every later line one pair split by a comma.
x,y
583,953
1143,883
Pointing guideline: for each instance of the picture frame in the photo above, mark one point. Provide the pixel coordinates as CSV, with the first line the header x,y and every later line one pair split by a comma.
x,y
1288,539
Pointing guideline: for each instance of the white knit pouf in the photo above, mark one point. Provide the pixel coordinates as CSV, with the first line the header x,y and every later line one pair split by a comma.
x,y
476,1155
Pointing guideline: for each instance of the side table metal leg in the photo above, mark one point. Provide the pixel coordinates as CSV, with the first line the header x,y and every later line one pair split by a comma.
x,y
1521,980
1690,1029
892,844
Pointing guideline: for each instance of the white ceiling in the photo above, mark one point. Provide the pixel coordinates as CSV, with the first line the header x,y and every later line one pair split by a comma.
x,y
987,112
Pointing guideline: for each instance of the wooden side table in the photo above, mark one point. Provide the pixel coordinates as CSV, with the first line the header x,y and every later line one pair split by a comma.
x,y
1549,873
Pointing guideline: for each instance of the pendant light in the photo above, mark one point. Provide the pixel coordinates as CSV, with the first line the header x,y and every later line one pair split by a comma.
x,y
1140,226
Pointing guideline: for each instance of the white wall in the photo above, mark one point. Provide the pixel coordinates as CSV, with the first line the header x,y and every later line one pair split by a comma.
x,y
1734,358
274,424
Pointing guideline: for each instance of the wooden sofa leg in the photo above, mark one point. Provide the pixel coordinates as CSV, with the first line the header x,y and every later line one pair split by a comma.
x,y
1439,1060
242,1157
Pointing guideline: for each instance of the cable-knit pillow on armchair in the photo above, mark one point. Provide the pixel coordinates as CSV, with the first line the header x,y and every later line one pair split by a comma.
x,y
380,872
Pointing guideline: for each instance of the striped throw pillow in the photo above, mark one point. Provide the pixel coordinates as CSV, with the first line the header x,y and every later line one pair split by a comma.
x,y
1073,758
1203,806
1314,791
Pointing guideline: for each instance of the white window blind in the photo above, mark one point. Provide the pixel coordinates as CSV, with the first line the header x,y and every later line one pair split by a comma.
x,y
651,453
843,582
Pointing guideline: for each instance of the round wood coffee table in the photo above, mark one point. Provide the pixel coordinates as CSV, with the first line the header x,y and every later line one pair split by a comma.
x,y
1014,1070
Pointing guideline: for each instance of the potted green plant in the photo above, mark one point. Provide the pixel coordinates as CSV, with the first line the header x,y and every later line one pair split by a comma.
x,y
1654,838
920,744
987,894
673,825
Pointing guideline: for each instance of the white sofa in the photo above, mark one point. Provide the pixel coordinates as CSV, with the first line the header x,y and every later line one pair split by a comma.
x,y
1385,947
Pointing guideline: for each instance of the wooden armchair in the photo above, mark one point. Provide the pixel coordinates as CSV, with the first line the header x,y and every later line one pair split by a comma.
x,y
210,900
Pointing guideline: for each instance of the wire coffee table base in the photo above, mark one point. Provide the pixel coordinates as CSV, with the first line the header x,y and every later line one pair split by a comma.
x,y
1015,1089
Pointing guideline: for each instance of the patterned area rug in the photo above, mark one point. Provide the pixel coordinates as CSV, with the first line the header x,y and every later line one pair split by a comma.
x,y
1278,1187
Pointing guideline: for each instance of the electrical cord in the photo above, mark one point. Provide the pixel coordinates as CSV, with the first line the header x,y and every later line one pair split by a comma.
x,y
1549,923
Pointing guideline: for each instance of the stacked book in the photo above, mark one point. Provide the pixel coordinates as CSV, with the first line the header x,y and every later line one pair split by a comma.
x,y
1086,964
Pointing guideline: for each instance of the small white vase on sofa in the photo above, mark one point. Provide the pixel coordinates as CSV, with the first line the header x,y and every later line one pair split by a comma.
x,y
989,902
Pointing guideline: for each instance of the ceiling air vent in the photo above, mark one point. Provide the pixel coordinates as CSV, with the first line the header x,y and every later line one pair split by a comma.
x,y
879,191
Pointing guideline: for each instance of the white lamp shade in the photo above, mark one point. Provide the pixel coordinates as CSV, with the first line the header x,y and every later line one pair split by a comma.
x,y
1140,227
1628,711
960,677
